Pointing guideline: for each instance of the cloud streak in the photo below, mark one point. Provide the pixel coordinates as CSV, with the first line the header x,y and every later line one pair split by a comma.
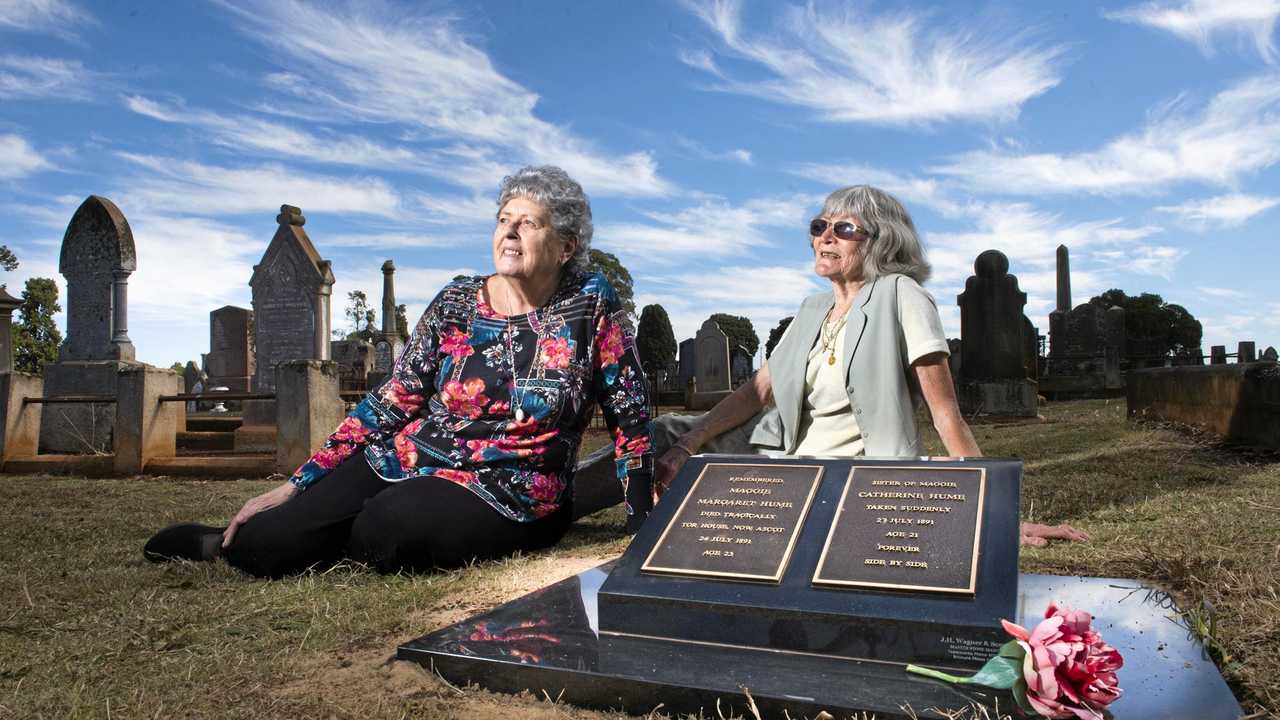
x,y
1237,133
1201,21
30,77
52,16
18,159
852,68
1231,210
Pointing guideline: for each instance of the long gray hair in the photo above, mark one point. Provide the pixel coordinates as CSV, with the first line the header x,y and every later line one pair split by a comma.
x,y
564,199
894,246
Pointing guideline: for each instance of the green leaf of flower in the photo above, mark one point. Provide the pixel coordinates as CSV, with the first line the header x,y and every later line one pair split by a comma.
x,y
1000,672
1013,650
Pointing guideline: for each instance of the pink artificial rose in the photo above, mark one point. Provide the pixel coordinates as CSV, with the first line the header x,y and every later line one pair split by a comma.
x,y
553,353
1070,672
457,344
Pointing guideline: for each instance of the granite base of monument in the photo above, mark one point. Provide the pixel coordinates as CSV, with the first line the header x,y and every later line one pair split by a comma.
x,y
80,428
1000,398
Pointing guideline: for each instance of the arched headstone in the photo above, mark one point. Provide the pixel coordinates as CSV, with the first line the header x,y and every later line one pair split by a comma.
x,y
993,370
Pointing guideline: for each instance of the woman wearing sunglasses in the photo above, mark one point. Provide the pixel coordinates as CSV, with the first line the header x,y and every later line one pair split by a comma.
x,y
855,363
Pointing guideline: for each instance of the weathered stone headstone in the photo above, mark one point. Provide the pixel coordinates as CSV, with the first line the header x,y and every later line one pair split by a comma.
x,y
230,360
1246,352
741,365
355,361
97,258
688,364
291,291
1218,355
993,378
1030,348
1270,354
711,378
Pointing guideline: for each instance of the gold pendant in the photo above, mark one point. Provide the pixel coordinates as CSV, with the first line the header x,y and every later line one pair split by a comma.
x,y
831,359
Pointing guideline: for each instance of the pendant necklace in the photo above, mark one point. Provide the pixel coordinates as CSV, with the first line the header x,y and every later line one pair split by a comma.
x,y
516,394
829,333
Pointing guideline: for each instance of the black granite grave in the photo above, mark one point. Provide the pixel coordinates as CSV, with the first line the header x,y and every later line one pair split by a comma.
x,y
829,633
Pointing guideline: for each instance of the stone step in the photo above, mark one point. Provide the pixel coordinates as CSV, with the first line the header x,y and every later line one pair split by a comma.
x,y
91,465
223,466
212,423
204,440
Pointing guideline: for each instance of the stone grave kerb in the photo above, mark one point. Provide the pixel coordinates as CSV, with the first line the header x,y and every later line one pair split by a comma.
x,y
97,258
292,271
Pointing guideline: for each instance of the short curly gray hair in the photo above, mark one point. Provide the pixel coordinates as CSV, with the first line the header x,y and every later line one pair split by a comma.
x,y
894,245
562,196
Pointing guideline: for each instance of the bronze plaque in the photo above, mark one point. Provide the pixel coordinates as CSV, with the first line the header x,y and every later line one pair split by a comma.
x,y
737,521
906,528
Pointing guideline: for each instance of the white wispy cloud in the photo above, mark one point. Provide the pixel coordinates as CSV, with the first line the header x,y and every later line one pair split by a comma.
x,y
184,186
1222,293
1201,21
27,77
371,63
848,66
18,158
737,155
1158,260
53,16
711,228
1236,133
908,189
1230,210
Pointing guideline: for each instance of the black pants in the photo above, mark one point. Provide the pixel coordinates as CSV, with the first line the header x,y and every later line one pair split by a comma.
x,y
416,524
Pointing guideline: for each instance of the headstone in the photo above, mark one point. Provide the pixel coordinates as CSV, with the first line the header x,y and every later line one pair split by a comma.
x,y
192,383
1270,354
8,304
741,366
1085,349
355,363
688,364
230,360
291,291
96,258
712,374
1246,352
993,377
1218,355
1030,348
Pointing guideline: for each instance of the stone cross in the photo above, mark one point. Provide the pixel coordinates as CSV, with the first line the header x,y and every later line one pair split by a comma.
x,y
713,358
991,329
292,286
8,304
97,258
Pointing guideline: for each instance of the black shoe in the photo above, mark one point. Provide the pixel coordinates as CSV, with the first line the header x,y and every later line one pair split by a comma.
x,y
187,541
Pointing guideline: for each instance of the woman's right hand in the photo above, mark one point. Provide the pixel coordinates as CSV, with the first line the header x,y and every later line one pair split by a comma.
x,y
255,505
669,465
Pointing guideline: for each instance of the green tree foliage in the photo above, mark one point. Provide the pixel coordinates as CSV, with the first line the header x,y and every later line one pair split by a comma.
x,y
402,322
362,317
35,336
775,335
619,278
1153,327
655,340
8,260
740,331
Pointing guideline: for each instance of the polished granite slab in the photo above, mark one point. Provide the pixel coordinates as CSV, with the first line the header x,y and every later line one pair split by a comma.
x,y
549,640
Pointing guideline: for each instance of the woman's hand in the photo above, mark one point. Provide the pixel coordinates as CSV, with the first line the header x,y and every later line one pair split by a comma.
x,y
1037,535
668,467
255,505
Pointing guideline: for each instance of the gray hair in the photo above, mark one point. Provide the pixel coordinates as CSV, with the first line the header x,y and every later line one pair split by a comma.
x,y
562,196
894,246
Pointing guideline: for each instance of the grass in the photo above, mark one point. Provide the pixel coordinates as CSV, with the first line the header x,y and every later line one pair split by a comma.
x,y
89,629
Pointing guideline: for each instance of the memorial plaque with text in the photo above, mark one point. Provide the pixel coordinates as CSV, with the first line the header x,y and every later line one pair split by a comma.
x,y
737,521
906,528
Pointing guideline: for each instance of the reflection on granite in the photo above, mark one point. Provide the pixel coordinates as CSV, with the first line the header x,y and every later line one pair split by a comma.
x,y
548,640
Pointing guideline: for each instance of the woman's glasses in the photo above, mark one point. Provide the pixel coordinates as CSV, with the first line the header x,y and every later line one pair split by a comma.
x,y
844,229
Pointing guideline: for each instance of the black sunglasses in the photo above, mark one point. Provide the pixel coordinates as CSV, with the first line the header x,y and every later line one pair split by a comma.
x,y
844,229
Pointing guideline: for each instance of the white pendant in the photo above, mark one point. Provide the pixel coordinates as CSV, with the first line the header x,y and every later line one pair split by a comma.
x,y
519,414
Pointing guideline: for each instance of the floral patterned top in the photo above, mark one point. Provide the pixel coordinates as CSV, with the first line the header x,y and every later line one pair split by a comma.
x,y
499,404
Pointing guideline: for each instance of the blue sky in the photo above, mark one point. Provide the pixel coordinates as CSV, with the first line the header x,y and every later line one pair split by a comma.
x,y
1143,135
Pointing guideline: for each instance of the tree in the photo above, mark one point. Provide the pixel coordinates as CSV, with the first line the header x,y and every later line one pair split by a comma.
x,y
655,340
35,336
402,322
362,317
8,260
740,331
1153,327
775,335
609,264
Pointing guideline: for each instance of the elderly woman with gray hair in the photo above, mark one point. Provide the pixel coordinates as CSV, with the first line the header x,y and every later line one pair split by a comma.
x,y
856,362
467,449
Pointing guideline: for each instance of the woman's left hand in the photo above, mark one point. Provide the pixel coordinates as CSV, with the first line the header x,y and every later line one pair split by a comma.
x,y
666,469
1037,535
